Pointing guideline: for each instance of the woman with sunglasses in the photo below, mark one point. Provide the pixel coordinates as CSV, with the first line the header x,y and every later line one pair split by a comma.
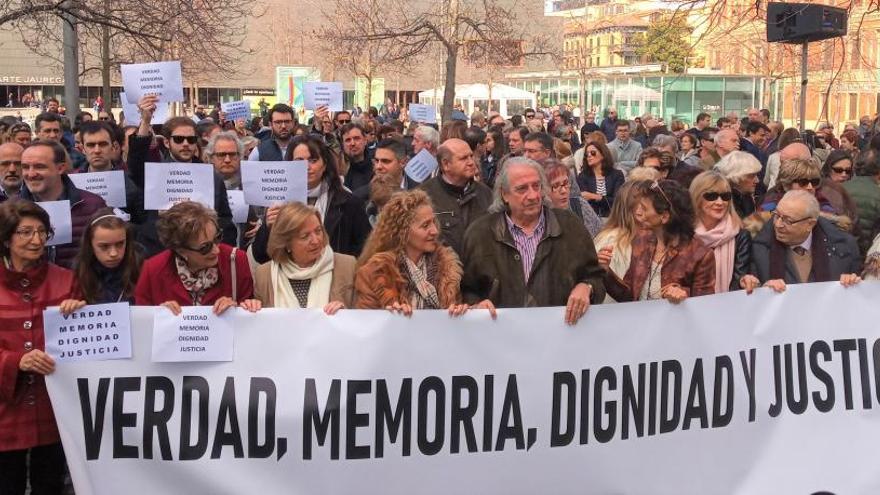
x,y
838,170
657,159
195,269
720,229
796,174
598,179
667,260
28,284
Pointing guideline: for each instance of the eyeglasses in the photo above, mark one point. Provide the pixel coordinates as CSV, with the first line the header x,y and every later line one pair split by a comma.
x,y
226,154
206,247
803,182
655,186
714,195
181,139
561,185
842,171
103,118
593,153
29,233
343,121
282,122
784,220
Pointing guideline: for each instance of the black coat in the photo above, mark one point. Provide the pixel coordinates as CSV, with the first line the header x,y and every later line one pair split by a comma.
x,y
346,224
742,258
587,183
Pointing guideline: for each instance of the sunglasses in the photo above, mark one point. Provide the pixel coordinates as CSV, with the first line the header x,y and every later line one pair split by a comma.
x,y
593,153
655,186
803,182
343,121
205,248
841,171
713,196
188,139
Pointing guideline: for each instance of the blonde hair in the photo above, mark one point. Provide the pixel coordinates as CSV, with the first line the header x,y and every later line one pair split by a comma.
x,y
642,174
392,227
622,218
795,169
290,220
712,181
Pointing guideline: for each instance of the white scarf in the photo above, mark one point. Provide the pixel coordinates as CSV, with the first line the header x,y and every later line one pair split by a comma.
x,y
321,195
320,273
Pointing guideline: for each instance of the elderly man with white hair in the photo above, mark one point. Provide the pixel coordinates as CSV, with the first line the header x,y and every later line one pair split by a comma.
x,y
799,246
741,170
526,253
426,137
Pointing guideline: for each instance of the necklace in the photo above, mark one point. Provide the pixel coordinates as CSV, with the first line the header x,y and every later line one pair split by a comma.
x,y
656,267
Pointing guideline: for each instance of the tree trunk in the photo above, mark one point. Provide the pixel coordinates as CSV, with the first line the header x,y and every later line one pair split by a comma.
x,y
449,86
105,65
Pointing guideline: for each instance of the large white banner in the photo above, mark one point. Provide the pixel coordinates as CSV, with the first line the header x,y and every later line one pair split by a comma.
x,y
761,394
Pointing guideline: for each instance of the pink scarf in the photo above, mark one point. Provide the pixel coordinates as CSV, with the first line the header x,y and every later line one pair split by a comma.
x,y
721,240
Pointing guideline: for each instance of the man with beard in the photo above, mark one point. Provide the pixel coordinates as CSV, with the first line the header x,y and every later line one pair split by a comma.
x,y
282,119
360,160
389,160
10,170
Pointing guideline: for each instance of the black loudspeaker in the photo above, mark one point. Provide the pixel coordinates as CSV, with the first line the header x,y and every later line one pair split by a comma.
x,y
804,22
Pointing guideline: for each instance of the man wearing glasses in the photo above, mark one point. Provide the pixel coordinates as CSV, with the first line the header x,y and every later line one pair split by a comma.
x,y
182,147
609,124
282,120
799,246
626,151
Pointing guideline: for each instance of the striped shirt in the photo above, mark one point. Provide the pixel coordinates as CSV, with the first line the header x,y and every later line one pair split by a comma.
x,y
526,244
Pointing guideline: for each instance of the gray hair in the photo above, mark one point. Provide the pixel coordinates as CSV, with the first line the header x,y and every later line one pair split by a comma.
x,y
805,198
737,164
429,135
223,136
720,135
664,140
502,183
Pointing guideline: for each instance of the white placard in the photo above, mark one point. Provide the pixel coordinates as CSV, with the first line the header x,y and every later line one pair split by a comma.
x,y
425,114
237,205
59,218
316,94
167,184
236,110
421,166
133,115
196,334
109,185
271,183
155,78
94,333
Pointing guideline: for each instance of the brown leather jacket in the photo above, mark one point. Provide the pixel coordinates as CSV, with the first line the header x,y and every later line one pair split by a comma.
x,y
691,266
379,282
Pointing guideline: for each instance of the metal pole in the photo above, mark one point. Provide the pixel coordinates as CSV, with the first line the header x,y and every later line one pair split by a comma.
x,y
71,63
803,102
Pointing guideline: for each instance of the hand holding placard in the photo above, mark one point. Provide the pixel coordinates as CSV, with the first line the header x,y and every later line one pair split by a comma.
x,y
92,333
316,94
163,79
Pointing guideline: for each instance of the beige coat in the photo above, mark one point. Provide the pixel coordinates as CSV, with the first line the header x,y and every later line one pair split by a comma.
x,y
341,286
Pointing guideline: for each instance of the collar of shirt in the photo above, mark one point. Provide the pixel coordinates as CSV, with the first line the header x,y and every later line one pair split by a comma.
x,y
807,244
517,230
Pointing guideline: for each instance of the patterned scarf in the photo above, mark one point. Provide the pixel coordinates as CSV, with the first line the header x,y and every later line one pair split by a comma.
x,y
196,283
424,295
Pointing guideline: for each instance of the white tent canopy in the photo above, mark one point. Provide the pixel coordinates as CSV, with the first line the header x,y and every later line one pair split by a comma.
x,y
506,100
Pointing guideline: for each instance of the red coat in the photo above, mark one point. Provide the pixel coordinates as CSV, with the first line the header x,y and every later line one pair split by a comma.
x,y
159,281
26,418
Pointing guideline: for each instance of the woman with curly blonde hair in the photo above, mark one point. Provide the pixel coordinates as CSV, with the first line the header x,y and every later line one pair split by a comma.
x,y
403,265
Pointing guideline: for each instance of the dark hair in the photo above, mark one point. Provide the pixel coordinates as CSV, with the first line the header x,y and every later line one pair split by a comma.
x,y
788,136
668,196
542,137
175,122
59,154
516,120
318,149
349,127
394,146
701,116
766,113
474,136
337,114
453,129
281,108
396,125
47,117
607,159
522,130
708,134
753,127
177,226
834,157
721,121
500,145
695,143
95,127
87,265
868,164
621,123
12,212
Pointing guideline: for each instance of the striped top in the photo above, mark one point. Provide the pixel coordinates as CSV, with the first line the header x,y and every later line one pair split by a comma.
x,y
526,244
600,186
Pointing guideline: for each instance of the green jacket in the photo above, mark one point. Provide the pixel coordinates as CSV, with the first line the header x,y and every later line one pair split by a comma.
x,y
565,257
865,193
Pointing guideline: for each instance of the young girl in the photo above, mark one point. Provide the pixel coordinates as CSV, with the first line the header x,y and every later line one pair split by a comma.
x,y
108,263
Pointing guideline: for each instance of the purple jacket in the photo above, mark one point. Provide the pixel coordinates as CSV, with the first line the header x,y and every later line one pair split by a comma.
x,y
83,205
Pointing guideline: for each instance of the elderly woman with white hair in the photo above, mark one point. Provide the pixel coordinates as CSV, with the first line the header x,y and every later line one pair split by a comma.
x,y
741,171
525,253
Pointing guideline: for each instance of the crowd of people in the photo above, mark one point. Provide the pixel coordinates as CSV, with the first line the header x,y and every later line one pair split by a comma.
x,y
532,210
